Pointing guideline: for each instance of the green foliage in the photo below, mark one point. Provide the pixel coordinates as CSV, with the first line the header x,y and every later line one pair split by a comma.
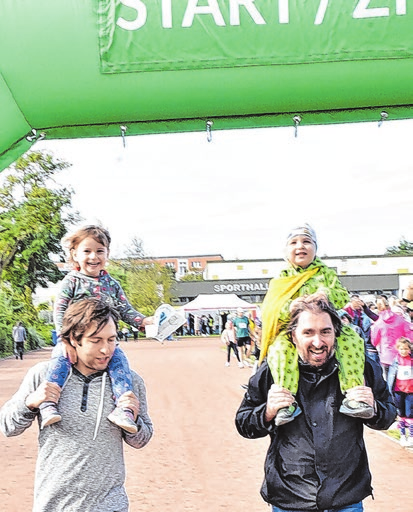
x,y
34,339
147,284
192,276
34,213
403,249
15,306
6,343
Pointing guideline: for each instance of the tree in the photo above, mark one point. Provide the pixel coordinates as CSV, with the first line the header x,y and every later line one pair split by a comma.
x,y
193,275
34,213
404,248
146,283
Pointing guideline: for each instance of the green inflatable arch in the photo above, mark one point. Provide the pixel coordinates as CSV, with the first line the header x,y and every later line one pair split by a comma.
x,y
95,68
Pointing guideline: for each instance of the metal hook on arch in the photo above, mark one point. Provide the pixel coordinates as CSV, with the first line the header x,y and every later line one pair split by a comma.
x,y
383,116
123,130
33,136
297,121
208,125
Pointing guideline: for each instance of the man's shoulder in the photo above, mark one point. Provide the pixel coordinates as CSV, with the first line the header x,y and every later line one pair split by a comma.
x,y
40,368
37,373
137,379
372,369
105,277
71,278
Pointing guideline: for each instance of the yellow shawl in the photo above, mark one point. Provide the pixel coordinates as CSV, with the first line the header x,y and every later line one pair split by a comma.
x,y
279,292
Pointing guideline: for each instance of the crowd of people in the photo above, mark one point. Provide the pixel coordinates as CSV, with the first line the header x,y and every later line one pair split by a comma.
x,y
203,324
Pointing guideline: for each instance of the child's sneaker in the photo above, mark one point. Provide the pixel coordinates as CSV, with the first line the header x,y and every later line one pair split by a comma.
x,y
123,418
49,415
287,414
356,409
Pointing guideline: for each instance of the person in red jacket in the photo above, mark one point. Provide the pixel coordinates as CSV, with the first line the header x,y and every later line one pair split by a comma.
x,y
400,381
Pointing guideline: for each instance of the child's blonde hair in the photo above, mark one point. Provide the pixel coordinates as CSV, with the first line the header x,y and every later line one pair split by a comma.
x,y
98,233
404,341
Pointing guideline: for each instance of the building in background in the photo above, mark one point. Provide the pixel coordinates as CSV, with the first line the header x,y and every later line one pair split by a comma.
x,y
249,279
369,276
183,265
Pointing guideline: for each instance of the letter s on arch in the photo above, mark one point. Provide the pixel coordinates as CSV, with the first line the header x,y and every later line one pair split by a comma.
x,y
141,15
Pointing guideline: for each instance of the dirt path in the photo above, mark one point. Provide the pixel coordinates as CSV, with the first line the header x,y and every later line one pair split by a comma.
x,y
196,460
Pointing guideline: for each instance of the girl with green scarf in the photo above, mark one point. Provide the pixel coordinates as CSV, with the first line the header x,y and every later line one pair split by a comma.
x,y
307,274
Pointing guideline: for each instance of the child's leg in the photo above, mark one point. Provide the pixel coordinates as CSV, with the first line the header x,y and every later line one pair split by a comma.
x,y
235,349
58,371
283,362
409,427
119,373
408,404
121,380
351,357
59,367
401,425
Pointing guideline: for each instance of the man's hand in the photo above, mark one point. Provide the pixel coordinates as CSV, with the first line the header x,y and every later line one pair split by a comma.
x,y
361,394
46,392
277,399
129,401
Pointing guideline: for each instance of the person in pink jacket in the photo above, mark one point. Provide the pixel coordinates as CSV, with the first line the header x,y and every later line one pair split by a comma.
x,y
386,331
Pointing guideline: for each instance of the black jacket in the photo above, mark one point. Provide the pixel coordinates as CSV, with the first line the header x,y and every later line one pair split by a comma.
x,y
318,461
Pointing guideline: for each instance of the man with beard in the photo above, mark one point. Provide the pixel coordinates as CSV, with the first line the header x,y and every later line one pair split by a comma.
x,y
317,462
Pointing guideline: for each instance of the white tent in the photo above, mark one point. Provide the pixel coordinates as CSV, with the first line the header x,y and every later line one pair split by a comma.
x,y
217,302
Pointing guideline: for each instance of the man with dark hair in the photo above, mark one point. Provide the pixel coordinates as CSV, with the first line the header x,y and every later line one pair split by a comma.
x,y
318,462
80,462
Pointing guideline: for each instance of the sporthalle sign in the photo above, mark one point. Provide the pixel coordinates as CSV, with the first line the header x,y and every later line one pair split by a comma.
x,y
149,35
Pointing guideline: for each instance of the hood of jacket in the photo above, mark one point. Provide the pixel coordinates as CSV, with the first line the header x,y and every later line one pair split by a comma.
x,y
389,317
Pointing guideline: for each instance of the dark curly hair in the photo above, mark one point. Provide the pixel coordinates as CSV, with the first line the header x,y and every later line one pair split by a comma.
x,y
315,303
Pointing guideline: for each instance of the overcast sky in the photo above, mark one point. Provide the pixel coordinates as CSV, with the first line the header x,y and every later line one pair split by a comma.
x,y
239,194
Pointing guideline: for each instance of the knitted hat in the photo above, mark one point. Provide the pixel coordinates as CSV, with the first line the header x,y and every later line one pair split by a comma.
x,y
304,230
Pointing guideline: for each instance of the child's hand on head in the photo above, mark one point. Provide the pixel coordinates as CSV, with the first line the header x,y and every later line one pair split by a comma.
x,y
70,353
